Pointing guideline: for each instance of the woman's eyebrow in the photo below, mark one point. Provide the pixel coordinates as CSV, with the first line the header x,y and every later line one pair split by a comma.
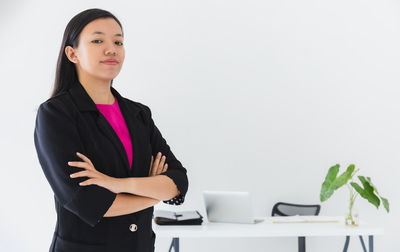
x,y
102,33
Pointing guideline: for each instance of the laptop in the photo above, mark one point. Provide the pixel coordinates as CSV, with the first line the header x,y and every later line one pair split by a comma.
x,y
232,207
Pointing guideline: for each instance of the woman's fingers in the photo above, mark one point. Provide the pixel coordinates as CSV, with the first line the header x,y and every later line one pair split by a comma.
x,y
164,168
157,160
157,165
84,173
161,165
87,182
84,158
80,164
153,165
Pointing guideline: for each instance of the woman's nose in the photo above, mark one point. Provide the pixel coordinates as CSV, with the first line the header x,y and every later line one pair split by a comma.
x,y
110,50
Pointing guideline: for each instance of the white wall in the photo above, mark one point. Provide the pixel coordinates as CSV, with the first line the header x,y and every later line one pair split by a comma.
x,y
262,96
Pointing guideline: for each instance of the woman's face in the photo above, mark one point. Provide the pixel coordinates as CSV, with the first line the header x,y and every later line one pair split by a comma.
x,y
100,52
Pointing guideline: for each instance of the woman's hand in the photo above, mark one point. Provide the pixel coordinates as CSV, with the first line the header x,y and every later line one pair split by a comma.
x,y
95,177
158,166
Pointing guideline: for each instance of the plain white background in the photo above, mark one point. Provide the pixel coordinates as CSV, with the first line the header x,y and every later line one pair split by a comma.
x,y
258,96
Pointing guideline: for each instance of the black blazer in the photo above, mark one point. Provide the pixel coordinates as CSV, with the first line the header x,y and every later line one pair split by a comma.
x,y
70,122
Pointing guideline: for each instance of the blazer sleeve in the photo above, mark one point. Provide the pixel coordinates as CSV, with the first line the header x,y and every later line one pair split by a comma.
x,y
175,169
57,140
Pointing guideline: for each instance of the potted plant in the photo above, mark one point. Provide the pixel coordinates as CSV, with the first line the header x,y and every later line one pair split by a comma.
x,y
367,190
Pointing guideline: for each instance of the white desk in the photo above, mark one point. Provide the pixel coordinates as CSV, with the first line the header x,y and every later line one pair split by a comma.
x,y
267,229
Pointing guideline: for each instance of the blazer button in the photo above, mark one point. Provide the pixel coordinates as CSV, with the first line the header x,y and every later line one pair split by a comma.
x,y
133,227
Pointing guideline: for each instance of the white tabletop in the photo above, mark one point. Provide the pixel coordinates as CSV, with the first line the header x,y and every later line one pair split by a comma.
x,y
266,229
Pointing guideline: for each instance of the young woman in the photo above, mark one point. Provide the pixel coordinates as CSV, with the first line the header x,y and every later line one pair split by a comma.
x,y
104,158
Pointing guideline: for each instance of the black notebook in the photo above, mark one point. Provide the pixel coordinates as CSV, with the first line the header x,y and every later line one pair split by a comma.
x,y
164,217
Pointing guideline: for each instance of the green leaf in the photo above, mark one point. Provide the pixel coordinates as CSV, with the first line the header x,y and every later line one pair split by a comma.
x,y
385,203
333,183
344,177
326,189
367,192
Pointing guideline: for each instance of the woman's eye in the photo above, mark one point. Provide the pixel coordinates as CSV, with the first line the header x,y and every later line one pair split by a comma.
x,y
96,41
119,43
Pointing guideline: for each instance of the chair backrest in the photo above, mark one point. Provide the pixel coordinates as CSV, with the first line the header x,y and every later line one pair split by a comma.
x,y
289,209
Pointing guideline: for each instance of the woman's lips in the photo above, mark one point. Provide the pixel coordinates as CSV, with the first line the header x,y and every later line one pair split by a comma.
x,y
110,62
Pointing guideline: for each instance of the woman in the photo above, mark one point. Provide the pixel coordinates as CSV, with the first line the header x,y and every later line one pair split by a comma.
x,y
105,160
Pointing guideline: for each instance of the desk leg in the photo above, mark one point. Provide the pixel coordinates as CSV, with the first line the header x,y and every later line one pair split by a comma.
x,y
302,244
371,243
346,244
174,244
363,244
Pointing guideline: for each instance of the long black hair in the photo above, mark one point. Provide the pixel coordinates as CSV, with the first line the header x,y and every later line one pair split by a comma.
x,y
66,74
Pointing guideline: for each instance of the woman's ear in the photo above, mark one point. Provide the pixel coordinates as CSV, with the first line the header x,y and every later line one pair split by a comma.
x,y
71,55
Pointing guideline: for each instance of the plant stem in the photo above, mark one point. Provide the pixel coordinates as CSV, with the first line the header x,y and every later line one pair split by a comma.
x,y
353,196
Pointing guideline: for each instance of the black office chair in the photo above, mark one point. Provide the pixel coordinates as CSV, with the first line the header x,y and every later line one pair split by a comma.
x,y
288,209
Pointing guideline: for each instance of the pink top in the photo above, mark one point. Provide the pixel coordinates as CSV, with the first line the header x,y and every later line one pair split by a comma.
x,y
114,116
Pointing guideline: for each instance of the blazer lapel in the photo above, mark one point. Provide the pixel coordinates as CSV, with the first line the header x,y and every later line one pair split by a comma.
x,y
85,103
130,114
109,132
